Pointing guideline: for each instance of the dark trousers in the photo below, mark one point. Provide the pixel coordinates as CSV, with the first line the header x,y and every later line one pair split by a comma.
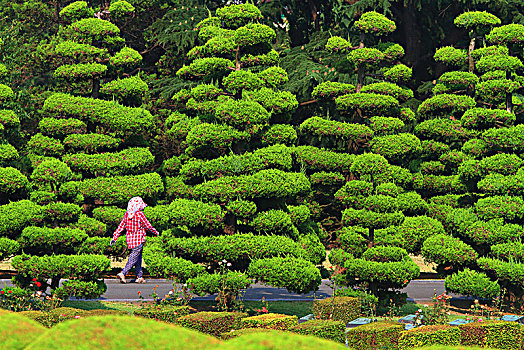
x,y
135,259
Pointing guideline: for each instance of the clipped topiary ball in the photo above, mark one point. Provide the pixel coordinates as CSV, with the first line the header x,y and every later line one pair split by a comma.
x,y
119,332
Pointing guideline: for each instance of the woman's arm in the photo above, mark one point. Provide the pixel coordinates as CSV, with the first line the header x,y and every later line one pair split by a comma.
x,y
120,228
146,223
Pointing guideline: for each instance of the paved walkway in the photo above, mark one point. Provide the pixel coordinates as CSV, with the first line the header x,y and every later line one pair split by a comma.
x,y
418,290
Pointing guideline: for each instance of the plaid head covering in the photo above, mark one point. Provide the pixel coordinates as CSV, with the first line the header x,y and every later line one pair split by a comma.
x,y
135,204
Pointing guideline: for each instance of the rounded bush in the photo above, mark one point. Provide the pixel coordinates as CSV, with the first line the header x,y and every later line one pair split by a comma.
x,y
120,9
375,23
368,103
280,134
415,230
126,57
234,16
451,56
396,147
331,89
295,274
13,184
473,19
444,249
102,332
472,283
17,331
53,172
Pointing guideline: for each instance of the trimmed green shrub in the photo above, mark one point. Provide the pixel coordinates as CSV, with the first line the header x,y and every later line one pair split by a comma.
x,y
331,89
507,34
126,162
375,23
118,189
451,56
212,323
295,274
126,57
115,117
240,332
177,269
100,246
348,132
399,73
83,267
444,249
62,212
15,216
44,240
61,127
365,55
385,125
86,332
458,80
45,146
279,134
270,183
370,219
314,158
446,103
396,147
270,321
445,130
509,251
120,8
499,62
495,334
233,248
472,283
163,313
127,88
369,104
429,335
8,247
17,331
80,71
376,335
241,113
502,270
8,153
51,172
78,51
208,140
473,19
76,11
81,289
328,329
506,207
229,283
272,222
343,309
13,184
91,226
91,143
278,340
388,89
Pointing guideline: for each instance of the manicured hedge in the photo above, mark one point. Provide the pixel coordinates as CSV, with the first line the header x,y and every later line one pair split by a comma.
x,y
91,143
328,329
472,283
44,240
445,249
17,331
127,162
394,274
376,335
270,183
295,274
86,333
321,127
278,340
495,334
314,158
212,323
87,267
61,127
8,247
163,313
15,216
270,321
194,213
177,269
13,184
229,283
344,309
234,248
117,118
429,335
119,189
273,157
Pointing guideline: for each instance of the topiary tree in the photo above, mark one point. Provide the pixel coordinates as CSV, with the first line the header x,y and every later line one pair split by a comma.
x,y
477,119
233,170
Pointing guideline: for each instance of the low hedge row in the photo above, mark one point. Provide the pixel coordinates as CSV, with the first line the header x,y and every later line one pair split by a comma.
x,y
45,240
316,159
270,321
344,309
166,314
487,334
15,216
61,314
212,323
328,329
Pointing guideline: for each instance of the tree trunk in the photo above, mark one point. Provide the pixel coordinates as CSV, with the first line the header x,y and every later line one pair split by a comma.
x,y
96,87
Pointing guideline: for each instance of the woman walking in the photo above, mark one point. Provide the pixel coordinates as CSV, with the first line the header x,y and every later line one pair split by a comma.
x,y
135,223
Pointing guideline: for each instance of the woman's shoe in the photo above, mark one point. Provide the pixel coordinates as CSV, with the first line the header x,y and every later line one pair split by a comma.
x,y
140,280
122,277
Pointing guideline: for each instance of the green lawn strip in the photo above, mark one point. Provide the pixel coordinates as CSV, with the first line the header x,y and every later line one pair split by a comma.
x,y
104,305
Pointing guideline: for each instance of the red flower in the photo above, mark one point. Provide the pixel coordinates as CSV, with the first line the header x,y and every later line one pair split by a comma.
x,y
34,279
38,284
2,292
9,291
264,309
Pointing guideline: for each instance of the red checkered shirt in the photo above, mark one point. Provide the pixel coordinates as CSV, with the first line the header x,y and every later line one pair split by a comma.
x,y
135,229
